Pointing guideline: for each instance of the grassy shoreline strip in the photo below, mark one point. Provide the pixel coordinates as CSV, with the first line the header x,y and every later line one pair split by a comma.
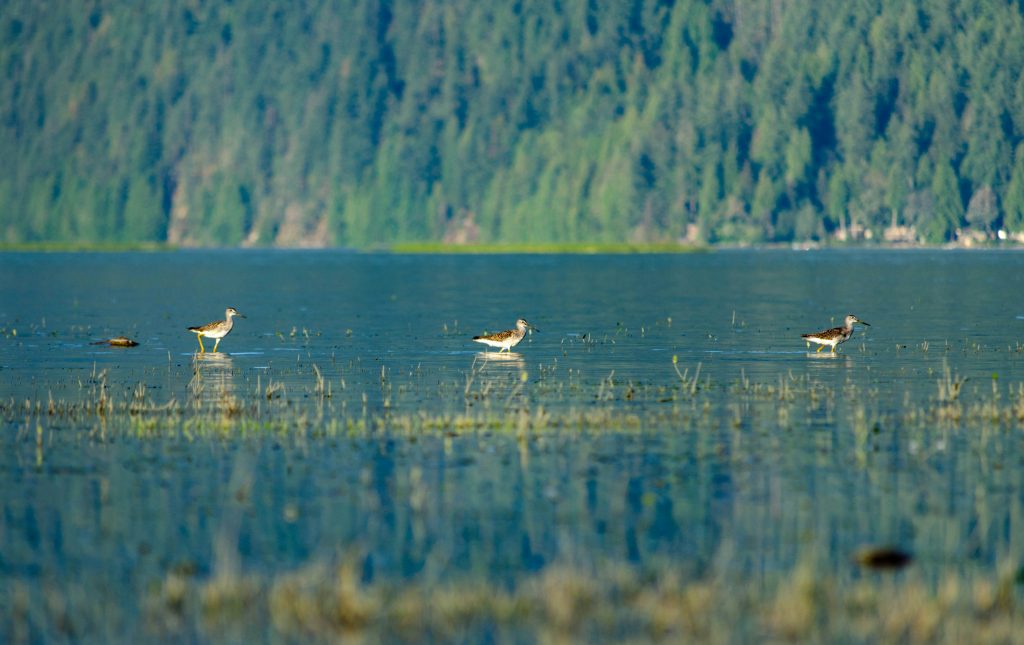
x,y
85,247
580,248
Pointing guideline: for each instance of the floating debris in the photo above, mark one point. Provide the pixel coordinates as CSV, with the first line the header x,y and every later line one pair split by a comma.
x,y
119,341
883,557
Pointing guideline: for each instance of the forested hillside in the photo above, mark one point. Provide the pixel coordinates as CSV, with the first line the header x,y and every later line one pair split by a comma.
x,y
360,122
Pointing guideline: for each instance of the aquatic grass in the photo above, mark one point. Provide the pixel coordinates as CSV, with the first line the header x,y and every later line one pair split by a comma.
x,y
322,389
949,384
508,399
688,384
1001,406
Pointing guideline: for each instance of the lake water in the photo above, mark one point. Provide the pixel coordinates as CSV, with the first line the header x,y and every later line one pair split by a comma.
x,y
721,479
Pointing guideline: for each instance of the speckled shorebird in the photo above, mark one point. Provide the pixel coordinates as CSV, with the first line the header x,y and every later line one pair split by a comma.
x,y
507,339
835,336
218,329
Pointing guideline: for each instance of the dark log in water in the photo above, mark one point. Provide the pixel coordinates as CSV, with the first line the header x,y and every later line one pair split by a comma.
x,y
119,341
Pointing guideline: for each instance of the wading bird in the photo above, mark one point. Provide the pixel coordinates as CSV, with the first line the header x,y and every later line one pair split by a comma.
x,y
835,336
507,339
218,329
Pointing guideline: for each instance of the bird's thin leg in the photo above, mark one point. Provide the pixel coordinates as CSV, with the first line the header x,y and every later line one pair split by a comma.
x,y
202,350
820,347
215,346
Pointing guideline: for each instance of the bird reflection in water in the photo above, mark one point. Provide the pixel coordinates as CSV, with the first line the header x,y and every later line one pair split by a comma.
x,y
213,380
499,359
496,376
830,360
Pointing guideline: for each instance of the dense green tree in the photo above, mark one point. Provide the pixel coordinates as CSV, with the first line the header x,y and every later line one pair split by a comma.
x,y
362,122
1013,204
142,215
948,206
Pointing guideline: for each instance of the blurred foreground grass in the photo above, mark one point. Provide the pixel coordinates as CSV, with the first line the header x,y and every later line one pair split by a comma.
x,y
328,602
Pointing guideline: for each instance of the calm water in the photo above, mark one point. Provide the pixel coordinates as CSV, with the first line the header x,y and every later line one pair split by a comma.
x,y
391,334
730,311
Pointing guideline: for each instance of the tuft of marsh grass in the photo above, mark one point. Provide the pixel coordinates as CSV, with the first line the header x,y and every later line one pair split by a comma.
x,y
688,384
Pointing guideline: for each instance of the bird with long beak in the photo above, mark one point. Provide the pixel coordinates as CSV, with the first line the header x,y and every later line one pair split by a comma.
x,y
218,329
835,336
507,339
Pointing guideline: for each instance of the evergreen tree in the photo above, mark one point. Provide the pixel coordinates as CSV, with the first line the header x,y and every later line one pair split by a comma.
x,y
1013,202
949,207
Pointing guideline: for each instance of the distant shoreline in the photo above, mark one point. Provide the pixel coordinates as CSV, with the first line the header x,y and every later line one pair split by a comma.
x,y
439,248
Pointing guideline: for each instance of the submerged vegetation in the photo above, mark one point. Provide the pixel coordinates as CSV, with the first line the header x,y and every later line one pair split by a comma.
x,y
362,123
